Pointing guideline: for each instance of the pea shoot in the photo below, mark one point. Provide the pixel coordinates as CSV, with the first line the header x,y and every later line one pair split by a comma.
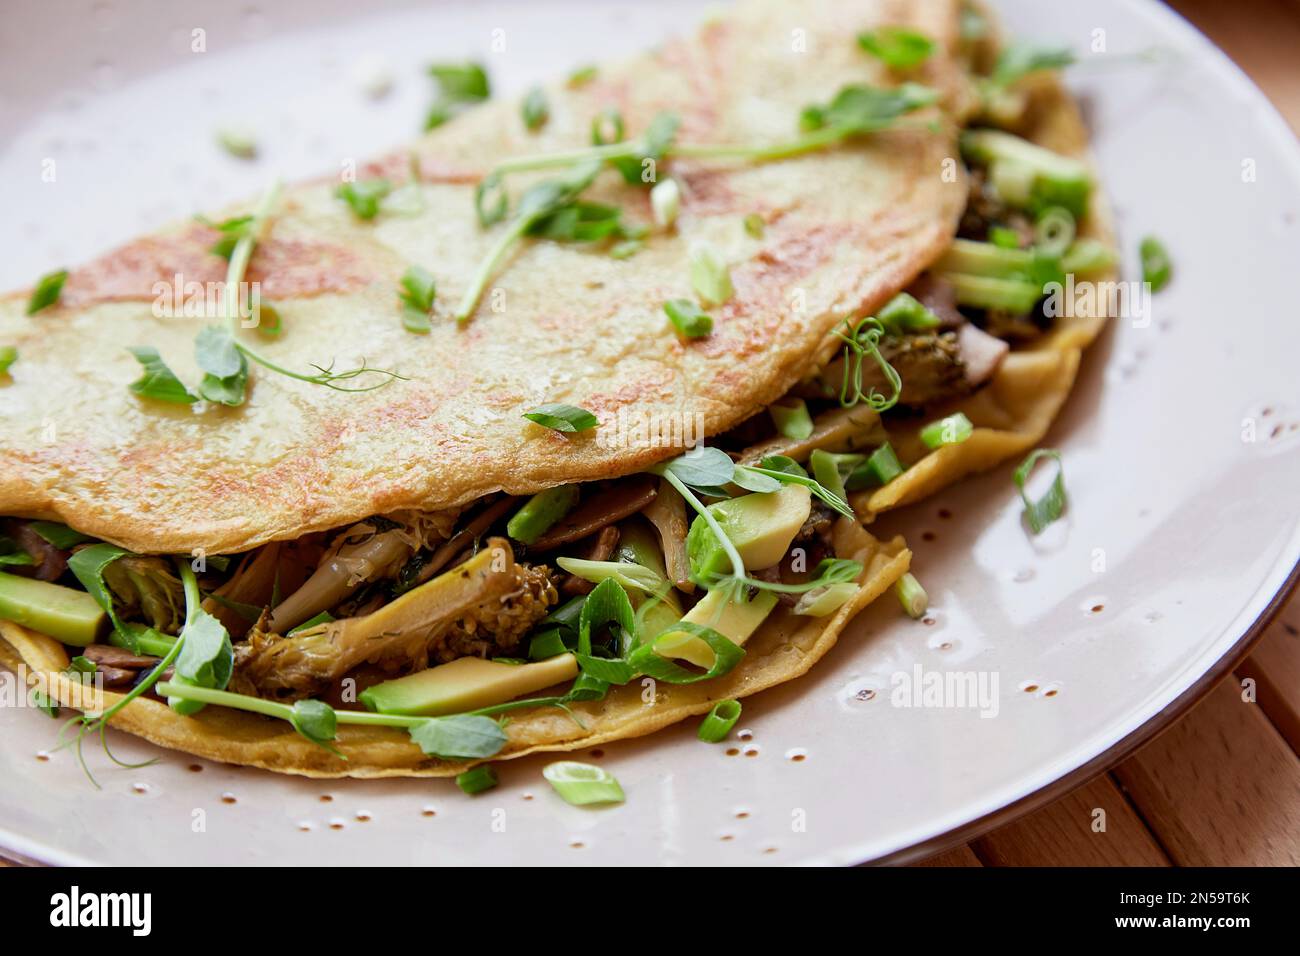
x,y
223,358
48,289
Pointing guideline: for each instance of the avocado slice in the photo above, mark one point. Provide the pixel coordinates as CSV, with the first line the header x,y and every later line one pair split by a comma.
x,y
734,620
761,526
65,614
541,511
467,683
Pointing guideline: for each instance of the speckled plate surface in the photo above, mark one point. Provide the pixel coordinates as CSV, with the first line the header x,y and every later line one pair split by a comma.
x,y
1181,444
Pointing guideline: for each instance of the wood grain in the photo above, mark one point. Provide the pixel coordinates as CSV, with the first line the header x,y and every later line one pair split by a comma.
x,y
1066,833
1221,787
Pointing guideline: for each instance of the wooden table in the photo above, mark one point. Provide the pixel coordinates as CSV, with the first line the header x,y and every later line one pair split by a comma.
x,y
1221,787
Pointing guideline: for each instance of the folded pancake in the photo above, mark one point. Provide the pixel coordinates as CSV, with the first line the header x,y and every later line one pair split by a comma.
x,y
381,550
845,229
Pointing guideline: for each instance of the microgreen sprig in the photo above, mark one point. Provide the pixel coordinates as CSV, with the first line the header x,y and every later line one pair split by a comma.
x,y
862,340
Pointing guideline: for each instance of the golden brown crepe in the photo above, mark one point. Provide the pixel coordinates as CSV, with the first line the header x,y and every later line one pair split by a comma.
x,y
846,229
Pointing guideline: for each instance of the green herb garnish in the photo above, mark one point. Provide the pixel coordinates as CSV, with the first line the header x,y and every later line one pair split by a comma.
x,y
582,76
1156,267
539,203
364,196
1039,514
690,321
477,780
953,430
535,109
582,783
459,85
8,355
862,340
719,721
48,289
897,47
416,295
562,418
911,595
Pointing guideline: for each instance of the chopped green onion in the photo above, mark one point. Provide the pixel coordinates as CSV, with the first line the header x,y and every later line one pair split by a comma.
x,y
825,600
981,292
709,274
582,783
791,418
755,225
1004,238
689,319
905,313
952,430
897,47
546,644
1156,267
911,595
1054,232
540,512
562,418
1039,514
881,467
418,290
364,196
1027,175
47,291
536,111
8,355
665,202
81,665
826,469
237,142
479,779
719,721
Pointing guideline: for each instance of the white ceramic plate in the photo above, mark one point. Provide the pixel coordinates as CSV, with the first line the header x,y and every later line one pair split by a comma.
x,y
1180,532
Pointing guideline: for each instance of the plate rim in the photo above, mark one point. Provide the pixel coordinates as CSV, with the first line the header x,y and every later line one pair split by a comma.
x,y
28,851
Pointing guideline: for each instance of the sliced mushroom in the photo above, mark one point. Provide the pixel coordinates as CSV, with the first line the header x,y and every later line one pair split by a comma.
x,y
668,514
111,656
398,635
115,676
843,429
463,538
339,576
601,550
623,498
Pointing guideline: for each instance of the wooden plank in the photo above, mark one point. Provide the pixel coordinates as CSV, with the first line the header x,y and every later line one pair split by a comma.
x,y
959,856
1065,833
1221,787
1274,666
